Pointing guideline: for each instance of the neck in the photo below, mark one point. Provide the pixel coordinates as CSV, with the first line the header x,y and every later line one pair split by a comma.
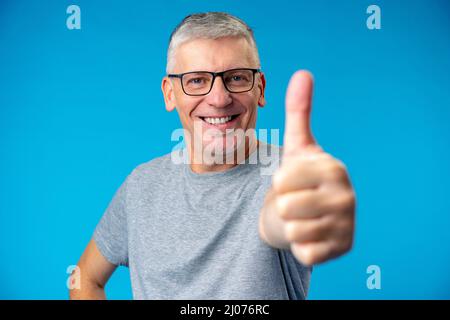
x,y
239,155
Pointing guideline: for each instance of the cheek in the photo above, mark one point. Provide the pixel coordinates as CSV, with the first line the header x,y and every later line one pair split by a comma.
x,y
185,108
251,104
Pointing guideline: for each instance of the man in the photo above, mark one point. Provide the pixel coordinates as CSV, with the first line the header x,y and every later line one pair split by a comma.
x,y
220,229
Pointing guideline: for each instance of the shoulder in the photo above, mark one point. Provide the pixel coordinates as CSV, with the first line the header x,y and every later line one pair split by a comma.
x,y
162,162
152,170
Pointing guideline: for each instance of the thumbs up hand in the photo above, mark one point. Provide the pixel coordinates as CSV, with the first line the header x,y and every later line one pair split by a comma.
x,y
310,207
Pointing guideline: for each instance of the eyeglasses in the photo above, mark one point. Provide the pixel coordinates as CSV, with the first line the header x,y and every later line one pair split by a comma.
x,y
200,83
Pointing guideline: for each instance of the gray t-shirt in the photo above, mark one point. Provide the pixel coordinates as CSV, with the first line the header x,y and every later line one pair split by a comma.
x,y
186,235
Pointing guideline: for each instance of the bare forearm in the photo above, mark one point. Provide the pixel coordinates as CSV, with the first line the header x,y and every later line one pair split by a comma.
x,y
271,227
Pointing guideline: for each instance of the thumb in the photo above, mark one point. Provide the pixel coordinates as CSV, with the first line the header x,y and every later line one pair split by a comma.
x,y
297,134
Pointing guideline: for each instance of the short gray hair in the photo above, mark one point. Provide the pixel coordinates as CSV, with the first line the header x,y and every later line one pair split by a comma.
x,y
209,25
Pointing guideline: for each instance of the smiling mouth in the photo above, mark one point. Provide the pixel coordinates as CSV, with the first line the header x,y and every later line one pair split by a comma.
x,y
219,120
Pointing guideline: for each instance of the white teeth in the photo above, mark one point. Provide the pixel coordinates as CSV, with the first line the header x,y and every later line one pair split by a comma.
x,y
218,120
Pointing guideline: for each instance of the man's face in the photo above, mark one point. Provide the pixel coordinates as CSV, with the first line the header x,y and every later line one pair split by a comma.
x,y
214,56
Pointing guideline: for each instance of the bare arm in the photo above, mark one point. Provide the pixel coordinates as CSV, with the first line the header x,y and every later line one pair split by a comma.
x,y
95,271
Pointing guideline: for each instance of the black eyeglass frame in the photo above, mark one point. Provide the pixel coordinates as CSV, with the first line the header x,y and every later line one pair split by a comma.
x,y
214,75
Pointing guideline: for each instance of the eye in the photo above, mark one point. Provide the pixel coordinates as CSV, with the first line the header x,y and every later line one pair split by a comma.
x,y
237,78
196,81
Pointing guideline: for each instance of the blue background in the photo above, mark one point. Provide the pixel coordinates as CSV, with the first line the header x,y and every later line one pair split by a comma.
x,y
79,109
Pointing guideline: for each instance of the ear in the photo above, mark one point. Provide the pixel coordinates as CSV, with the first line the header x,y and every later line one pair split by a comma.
x,y
168,92
262,87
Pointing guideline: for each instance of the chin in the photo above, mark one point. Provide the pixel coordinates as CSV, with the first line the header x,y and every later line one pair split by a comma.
x,y
221,149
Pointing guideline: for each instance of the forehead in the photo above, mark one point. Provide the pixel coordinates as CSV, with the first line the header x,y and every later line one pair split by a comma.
x,y
214,55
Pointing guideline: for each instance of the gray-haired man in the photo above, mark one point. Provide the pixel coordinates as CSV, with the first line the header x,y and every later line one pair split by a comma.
x,y
213,229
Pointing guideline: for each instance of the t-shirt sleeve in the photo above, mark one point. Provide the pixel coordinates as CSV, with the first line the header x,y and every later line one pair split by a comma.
x,y
111,233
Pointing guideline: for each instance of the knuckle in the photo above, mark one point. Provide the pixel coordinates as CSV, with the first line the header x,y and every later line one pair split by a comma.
x,y
344,202
337,173
347,227
334,171
340,164
346,245
343,233
350,201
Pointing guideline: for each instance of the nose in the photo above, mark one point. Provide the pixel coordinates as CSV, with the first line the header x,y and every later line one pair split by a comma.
x,y
218,96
